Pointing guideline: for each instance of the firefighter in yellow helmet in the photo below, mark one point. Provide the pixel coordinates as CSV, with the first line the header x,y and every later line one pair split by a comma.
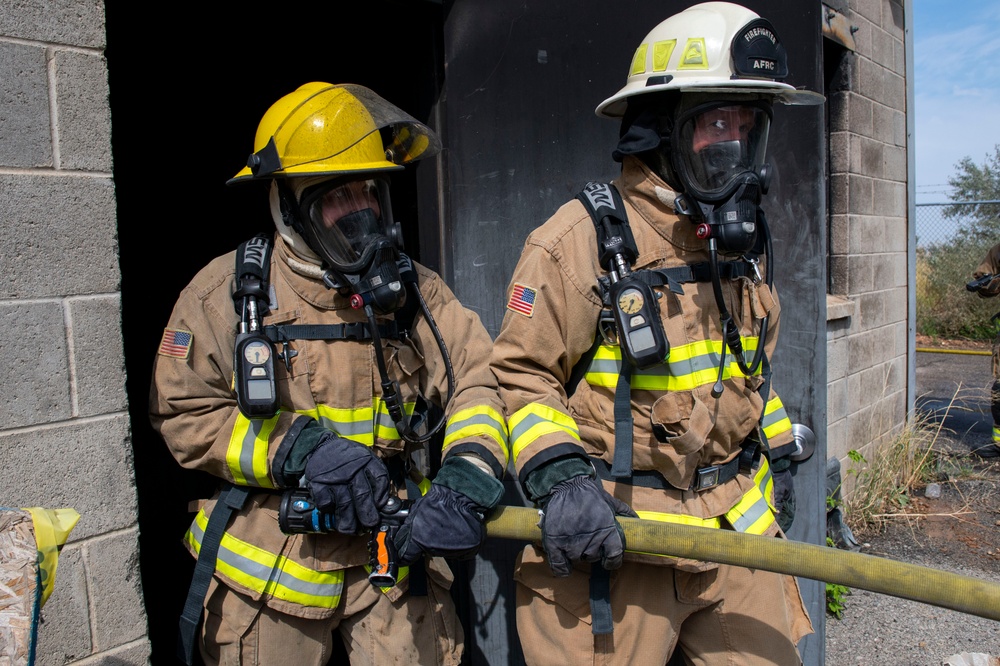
x,y
303,370
633,362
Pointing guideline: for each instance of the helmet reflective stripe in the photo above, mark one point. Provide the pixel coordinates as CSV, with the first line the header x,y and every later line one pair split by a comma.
x,y
268,573
689,366
712,46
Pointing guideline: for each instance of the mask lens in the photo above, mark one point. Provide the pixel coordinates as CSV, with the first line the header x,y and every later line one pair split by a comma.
x,y
715,145
346,221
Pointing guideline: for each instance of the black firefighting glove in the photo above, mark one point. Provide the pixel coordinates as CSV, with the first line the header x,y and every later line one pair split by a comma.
x,y
345,478
448,520
578,516
784,492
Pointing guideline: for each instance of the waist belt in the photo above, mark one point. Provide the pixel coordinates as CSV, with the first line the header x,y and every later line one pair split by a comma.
x,y
706,477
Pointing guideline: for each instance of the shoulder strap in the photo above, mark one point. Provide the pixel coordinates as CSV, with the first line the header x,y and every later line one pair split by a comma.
x,y
607,212
253,266
614,236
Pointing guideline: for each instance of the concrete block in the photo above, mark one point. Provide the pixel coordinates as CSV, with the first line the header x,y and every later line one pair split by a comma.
x,y
137,652
901,336
836,438
839,191
871,82
839,274
98,354
872,309
883,124
866,156
882,48
64,633
59,236
892,18
839,104
870,9
859,195
884,270
840,229
867,236
837,362
82,112
36,366
896,301
840,152
836,399
861,115
862,352
99,449
894,156
895,90
860,429
860,280
24,106
885,198
116,591
80,22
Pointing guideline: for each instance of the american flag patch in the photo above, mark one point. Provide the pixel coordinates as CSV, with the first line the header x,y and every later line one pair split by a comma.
x,y
175,343
522,299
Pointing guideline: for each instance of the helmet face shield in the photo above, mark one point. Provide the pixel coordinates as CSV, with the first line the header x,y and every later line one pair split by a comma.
x,y
715,144
347,220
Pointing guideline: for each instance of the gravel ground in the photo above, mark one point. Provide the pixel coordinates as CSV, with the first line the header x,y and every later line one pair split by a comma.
x,y
957,532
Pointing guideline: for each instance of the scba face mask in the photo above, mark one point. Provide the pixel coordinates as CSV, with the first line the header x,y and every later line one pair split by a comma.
x,y
717,152
349,224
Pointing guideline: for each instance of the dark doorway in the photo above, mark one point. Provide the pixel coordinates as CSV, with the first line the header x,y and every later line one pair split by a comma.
x,y
188,88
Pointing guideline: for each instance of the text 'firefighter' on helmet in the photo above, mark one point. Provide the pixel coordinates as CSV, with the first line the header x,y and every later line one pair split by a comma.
x,y
710,47
326,129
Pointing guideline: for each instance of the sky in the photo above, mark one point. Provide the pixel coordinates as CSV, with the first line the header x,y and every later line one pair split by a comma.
x,y
956,54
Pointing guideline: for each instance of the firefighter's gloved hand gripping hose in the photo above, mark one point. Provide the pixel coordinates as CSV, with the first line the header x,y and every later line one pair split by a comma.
x,y
830,565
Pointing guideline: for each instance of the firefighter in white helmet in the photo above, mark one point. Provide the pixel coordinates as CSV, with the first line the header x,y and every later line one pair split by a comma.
x,y
300,370
634,364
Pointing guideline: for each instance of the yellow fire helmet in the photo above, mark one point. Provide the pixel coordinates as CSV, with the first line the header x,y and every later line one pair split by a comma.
x,y
322,129
714,47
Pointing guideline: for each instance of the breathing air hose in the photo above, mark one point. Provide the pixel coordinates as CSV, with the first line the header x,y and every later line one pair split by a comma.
x,y
829,565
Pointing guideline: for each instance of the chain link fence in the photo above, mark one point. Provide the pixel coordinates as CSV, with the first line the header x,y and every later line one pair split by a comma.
x,y
934,228
952,240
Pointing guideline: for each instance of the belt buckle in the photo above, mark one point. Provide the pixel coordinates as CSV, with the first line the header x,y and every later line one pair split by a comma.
x,y
706,477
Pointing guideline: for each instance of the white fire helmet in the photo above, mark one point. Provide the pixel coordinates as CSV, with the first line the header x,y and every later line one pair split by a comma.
x,y
714,47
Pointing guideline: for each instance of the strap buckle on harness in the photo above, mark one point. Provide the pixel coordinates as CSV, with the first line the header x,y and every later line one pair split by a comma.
x,y
706,477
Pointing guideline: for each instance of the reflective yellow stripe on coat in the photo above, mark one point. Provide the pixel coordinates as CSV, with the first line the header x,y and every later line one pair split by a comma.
x,y
477,421
249,441
536,420
775,420
268,573
753,514
689,366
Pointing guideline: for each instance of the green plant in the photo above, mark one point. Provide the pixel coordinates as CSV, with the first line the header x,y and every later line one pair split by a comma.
x,y
883,484
835,595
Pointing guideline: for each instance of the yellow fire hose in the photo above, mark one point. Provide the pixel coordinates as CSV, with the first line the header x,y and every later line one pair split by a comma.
x,y
829,565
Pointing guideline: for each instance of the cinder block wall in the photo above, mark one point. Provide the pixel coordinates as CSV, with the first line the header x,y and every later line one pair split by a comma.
x,y
64,428
867,308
